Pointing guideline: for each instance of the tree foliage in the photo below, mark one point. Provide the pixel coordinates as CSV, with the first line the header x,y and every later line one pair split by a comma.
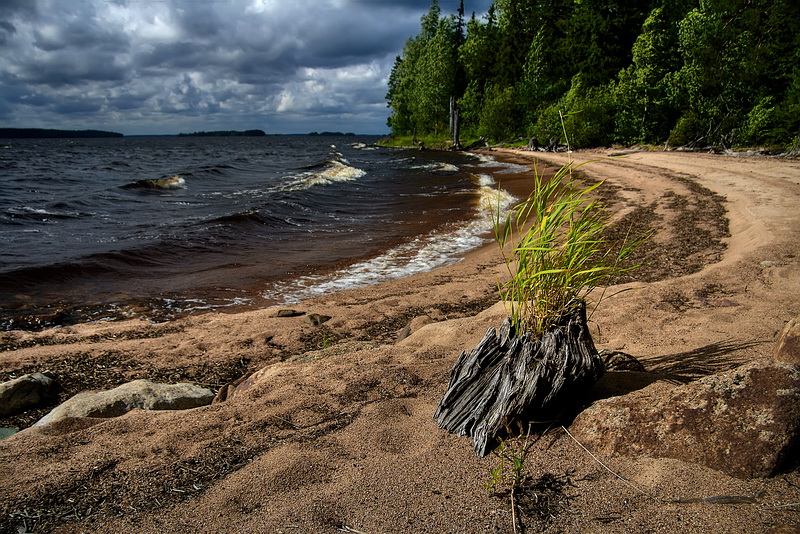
x,y
686,72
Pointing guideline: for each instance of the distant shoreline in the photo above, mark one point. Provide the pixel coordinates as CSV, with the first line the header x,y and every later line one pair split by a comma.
x,y
41,133
226,133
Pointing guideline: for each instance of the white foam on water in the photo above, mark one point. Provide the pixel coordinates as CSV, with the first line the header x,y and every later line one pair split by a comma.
x,y
485,179
424,253
437,167
333,171
176,182
364,146
484,158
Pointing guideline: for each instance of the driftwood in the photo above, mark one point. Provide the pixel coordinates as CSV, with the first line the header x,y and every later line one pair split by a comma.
x,y
482,142
510,377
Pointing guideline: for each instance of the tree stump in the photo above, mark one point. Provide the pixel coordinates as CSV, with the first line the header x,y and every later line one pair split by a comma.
x,y
510,377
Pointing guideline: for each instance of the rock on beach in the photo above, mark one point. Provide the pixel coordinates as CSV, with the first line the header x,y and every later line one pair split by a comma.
x,y
142,394
744,422
25,392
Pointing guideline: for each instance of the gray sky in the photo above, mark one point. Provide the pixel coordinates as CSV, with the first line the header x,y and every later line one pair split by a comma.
x,y
169,66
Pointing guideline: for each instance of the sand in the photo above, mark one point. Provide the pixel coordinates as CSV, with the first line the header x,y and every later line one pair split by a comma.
x,y
336,434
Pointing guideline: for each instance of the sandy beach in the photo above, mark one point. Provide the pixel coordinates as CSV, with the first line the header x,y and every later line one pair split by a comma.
x,y
335,433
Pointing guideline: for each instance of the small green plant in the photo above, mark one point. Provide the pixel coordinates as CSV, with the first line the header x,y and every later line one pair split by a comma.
x,y
510,471
326,338
553,247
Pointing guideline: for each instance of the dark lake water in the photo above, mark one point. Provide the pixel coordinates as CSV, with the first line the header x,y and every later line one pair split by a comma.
x,y
159,227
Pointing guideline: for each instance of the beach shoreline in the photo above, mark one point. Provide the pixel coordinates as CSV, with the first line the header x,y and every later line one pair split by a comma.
x,y
338,430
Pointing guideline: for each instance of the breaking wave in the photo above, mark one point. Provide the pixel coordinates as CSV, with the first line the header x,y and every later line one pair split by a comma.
x,y
330,172
438,167
438,248
176,182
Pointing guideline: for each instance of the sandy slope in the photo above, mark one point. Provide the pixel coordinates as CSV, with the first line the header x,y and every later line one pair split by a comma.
x,y
342,438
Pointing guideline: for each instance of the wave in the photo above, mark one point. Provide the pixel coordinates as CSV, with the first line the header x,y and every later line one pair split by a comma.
x,y
252,216
330,172
176,182
438,248
491,199
438,167
56,212
364,146
501,167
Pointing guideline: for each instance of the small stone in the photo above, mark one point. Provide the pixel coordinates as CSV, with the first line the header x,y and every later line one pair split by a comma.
x,y
289,313
615,360
788,346
141,394
25,392
317,319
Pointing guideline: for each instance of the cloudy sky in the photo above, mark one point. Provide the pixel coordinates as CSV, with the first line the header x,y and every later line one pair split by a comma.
x,y
169,66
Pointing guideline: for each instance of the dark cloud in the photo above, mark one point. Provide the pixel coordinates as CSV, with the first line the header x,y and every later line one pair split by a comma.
x,y
163,66
65,69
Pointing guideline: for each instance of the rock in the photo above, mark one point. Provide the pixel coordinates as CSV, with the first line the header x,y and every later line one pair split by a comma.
x,y
317,319
788,347
25,392
289,313
415,324
142,394
744,422
241,385
227,391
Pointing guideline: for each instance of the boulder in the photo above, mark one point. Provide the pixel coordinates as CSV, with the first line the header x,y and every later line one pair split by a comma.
x,y
744,422
142,394
788,346
25,392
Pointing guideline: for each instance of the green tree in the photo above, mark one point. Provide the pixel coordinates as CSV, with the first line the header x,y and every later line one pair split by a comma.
x,y
436,78
737,68
425,76
476,56
584,112
644,113
690,71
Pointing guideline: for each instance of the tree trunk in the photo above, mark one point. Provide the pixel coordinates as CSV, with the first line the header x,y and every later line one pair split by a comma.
x,y
510,377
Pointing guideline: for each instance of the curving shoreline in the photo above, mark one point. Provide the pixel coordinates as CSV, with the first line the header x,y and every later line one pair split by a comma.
x,y
343,435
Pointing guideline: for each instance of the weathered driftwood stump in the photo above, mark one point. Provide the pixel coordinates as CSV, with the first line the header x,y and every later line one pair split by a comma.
x,y
510,377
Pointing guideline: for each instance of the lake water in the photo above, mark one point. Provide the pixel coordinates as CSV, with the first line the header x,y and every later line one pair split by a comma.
x,y
159,227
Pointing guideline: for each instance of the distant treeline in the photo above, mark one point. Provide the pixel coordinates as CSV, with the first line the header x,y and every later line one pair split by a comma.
x,y
683,72
226,133
38,133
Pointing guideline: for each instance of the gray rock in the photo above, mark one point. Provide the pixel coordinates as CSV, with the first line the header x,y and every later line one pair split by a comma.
x,y
744,422
788,346
25,392
142,394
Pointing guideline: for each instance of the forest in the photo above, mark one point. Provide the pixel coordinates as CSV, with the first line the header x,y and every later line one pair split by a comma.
x,y
691,73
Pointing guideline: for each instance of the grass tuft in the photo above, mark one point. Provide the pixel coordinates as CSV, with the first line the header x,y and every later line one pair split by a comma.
x,y
553,247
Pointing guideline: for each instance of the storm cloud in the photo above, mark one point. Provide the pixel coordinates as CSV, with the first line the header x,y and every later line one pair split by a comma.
x,y
167,66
